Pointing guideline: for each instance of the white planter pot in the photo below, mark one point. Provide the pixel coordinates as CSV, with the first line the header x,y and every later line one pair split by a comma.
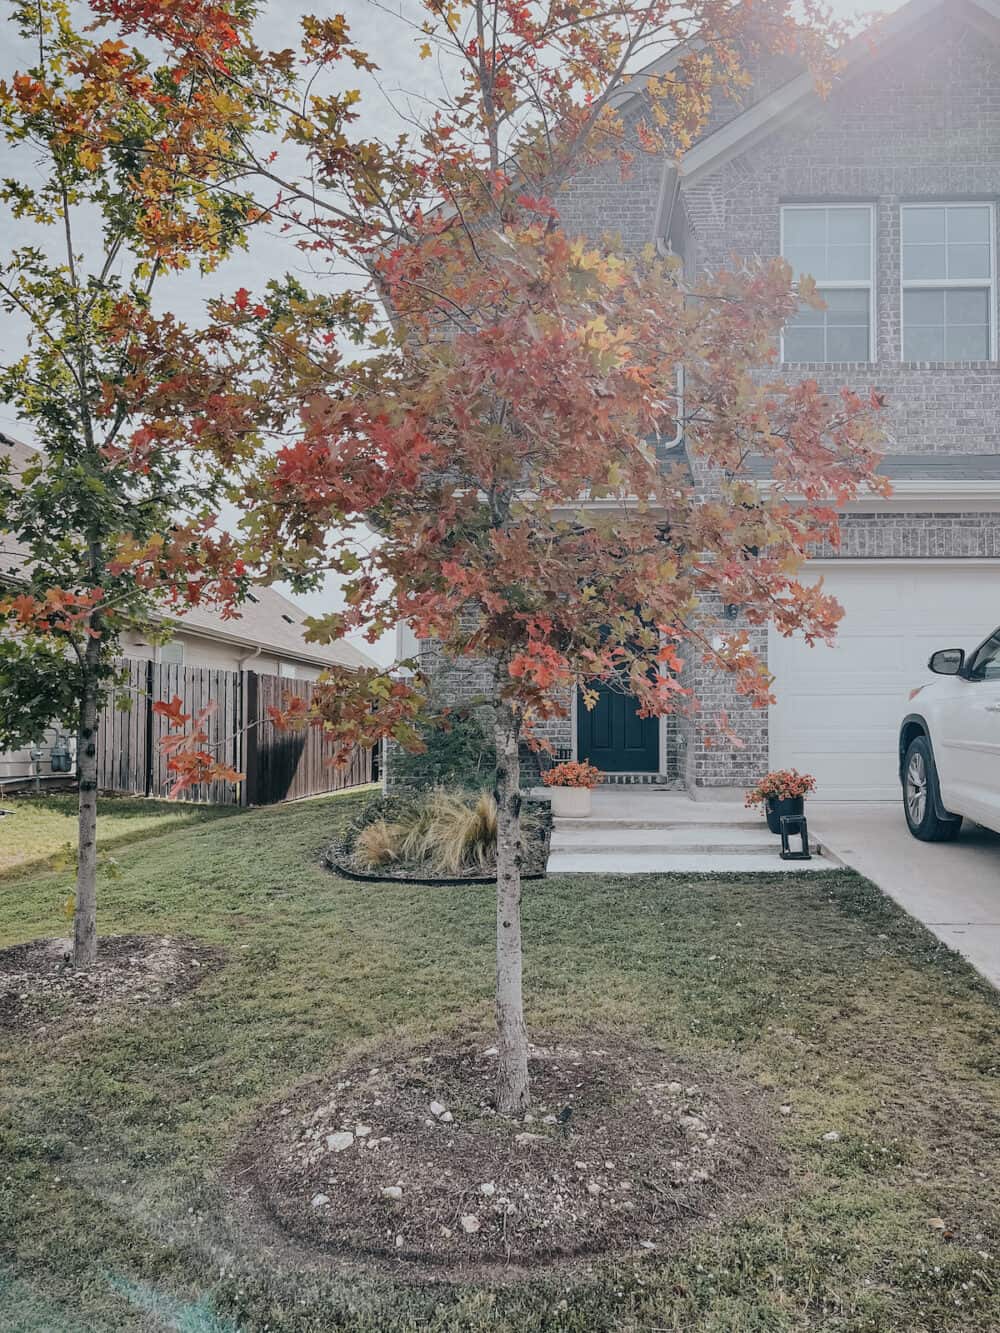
x,y
570,802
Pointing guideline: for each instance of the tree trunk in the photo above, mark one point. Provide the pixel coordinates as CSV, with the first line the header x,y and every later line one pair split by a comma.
x,y
512,1075
85,915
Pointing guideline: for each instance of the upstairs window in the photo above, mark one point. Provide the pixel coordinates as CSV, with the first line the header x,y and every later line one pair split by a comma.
x,y
948,272
834,244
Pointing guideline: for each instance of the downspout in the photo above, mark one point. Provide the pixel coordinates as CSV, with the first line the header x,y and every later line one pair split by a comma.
x,y
670,184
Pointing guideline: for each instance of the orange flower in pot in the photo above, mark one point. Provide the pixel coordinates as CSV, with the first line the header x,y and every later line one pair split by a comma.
x,y
571,784
781,792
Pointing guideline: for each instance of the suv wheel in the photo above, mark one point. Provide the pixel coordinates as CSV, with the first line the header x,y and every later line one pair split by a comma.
x,y
919,793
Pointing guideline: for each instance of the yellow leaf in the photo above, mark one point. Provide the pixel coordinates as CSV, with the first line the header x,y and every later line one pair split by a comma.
x,y
425,51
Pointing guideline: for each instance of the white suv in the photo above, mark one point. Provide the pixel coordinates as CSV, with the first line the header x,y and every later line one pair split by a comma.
x,y
949,744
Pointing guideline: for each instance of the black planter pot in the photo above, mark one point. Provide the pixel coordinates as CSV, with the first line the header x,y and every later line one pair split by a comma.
x,y
795,805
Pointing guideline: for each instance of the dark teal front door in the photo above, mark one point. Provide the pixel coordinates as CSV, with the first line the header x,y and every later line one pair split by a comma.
x,y
613,736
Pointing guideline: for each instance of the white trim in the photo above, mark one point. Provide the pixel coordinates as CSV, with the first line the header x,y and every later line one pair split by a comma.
x,y
855,284
948,284
904,561
923,496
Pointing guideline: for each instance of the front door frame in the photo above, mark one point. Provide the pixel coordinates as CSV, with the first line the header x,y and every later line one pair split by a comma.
x,y
661,739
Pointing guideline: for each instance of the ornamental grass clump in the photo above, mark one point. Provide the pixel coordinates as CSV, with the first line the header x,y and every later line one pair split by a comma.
x,y
442,832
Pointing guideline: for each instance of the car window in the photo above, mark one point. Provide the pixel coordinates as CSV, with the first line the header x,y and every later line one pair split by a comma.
x,y
986,665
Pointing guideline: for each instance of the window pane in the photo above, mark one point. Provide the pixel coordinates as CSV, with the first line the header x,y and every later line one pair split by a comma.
x,y
923,343
845,262
849,226
967,307
923,307
923,224
803,344
966,342
831,244
838,333
968,261
924,261
807,259
847,344
969,224
842,307
804,226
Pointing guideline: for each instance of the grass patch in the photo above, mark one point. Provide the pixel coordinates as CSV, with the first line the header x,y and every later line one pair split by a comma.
x,y
814,988
42,829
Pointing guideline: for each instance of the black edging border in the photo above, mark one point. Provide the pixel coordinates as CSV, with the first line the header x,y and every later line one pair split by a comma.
x,y
359,875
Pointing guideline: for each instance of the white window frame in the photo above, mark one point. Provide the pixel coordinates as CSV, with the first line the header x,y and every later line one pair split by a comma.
x,y
854,284
944,284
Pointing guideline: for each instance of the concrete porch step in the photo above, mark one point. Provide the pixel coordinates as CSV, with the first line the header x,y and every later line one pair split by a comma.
x,y
673,863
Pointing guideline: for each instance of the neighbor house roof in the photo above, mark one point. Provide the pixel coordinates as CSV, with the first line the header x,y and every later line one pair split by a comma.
x,y
267,620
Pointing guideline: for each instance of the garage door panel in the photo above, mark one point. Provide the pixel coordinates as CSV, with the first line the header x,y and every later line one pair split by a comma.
x,y
839,707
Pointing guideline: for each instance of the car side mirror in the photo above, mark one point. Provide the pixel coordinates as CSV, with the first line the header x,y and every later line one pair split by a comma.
x,y
947,661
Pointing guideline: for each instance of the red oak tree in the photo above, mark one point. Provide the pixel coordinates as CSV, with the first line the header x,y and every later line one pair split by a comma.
x,y
497,434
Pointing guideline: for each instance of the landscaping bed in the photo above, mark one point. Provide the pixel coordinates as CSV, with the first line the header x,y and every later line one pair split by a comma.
x,y
405,1159
40,986
435,837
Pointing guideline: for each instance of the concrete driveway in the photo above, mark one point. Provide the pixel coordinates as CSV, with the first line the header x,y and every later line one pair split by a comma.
x,y
952,887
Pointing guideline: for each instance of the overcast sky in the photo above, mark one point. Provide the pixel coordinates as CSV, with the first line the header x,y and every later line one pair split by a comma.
x,y
401,87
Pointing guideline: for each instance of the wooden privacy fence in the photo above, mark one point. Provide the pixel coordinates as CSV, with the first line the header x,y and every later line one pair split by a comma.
x,y
278,766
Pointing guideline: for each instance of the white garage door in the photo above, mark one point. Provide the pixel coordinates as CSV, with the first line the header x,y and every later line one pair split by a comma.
x,y
838,709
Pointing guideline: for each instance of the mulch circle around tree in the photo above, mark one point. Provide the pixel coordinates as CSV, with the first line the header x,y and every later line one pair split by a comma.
x,y
402,1160
41,989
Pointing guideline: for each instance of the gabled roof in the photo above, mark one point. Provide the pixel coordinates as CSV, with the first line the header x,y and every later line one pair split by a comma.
x,y
735,136
267,619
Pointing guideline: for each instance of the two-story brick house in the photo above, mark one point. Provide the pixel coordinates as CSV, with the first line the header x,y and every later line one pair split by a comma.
x,y
887,192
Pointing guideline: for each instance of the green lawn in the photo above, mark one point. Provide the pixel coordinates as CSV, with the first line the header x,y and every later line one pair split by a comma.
x,y
43,828
813,987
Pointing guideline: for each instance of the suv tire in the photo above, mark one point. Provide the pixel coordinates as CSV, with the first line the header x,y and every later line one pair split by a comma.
x,y
920,796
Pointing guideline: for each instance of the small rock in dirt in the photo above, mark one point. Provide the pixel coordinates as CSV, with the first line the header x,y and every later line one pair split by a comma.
x,y
525,1140
580,1166
446,1117
492,1050
362,1131
437,1110
593,1188
648,1244
470,1223
399,1241
831,1136
320,1200
675,1088
339,1142
392,1192
693,1123
549,1120
488,1188
445,1231
785,1109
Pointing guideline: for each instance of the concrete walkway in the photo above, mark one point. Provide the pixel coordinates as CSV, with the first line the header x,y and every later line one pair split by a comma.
x,y
952,887
643,830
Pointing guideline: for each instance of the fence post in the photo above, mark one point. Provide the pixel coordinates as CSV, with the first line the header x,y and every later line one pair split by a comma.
x,y
148,747
251,737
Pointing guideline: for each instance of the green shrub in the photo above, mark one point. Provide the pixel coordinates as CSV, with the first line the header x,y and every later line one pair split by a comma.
x,y
459,753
